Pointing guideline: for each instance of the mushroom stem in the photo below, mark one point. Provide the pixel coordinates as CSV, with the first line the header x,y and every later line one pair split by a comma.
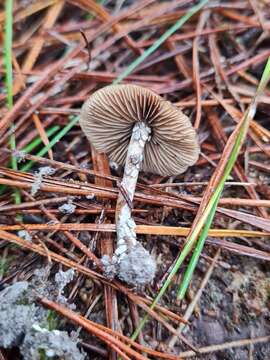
x,y
127,246
125,225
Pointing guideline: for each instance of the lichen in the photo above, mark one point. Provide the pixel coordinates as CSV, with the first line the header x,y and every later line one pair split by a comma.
x,y
110,265
16,314
67,208
24,234
25,324
38,177
11,294
51,343
62,278
15,321
20,155
52,289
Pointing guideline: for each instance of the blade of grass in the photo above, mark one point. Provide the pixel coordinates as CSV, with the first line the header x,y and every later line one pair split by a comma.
x,y
53,141
37,141
9,80
160,41
8,51
208,214
197,252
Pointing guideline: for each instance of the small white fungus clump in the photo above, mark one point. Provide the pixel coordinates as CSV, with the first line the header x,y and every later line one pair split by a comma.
x,y
67,208
24,234
90,196
62,278
46,171
43,171
19,155
110,265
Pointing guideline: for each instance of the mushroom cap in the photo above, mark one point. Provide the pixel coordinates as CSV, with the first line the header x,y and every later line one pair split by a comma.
x,y
108,116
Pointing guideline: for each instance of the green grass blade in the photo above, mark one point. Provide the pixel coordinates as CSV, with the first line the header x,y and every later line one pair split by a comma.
x,y
264,79
196,254
9,81
54,140
160,41
37,141
8,52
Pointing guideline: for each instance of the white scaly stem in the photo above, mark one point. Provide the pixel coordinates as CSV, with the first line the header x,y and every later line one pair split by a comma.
x,y
133,262
125,225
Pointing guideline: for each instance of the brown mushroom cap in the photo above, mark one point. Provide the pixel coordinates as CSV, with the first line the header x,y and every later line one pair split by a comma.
x,y
108,116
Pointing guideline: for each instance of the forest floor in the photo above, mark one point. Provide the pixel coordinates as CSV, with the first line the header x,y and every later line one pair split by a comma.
x,y
58,195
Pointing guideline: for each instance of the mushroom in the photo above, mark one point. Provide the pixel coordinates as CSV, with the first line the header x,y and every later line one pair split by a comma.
x,y
136,127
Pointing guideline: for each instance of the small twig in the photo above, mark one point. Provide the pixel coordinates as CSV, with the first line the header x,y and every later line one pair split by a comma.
x,y
228,345
88,47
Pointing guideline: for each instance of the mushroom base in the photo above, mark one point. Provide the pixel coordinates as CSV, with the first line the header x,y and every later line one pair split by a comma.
x,y
136,267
